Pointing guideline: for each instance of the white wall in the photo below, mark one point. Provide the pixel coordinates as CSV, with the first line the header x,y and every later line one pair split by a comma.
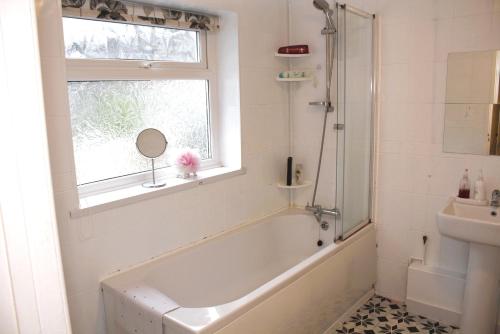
x,y
415,178
102,243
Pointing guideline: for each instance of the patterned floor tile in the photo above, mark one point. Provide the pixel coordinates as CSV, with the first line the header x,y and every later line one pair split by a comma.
x,y
380,315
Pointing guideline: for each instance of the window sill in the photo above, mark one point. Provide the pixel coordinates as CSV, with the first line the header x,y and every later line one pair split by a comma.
x,y
97,203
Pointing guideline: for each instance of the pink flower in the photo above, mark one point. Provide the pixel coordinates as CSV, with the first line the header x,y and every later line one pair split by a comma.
x,y
188,161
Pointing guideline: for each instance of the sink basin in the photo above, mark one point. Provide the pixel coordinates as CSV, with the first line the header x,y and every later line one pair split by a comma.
x,y
480,224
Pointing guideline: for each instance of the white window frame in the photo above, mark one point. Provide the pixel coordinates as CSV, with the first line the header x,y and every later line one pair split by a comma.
x,y
118,69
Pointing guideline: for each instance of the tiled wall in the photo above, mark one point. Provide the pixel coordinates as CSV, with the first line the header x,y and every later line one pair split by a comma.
x,y
99,244
415,178
306,25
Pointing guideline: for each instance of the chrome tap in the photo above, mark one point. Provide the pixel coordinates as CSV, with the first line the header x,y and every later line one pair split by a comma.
x,y
495,198
318,212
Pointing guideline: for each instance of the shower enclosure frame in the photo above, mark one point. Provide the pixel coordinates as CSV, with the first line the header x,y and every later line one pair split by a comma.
x,y
335,216
341,132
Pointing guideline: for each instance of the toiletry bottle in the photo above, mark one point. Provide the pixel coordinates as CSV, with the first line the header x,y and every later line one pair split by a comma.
x,y
299,174
464,188
479,188
289,167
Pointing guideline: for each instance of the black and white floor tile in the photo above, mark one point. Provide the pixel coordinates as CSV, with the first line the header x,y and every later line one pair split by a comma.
x,y
382,316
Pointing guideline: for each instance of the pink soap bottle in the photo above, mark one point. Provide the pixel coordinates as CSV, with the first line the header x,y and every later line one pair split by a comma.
x,y
464,188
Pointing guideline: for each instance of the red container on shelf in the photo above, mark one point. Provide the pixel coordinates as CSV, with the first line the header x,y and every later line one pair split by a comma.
x,y
294,49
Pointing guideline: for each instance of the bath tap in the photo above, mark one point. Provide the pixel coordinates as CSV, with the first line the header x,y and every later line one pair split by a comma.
x,y
318,212
495,198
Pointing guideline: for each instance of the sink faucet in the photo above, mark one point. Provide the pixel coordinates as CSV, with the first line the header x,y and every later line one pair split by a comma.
x,y
495,198
318,211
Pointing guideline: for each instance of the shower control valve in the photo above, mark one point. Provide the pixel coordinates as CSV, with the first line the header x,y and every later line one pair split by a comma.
x,y
326,104
320,103
325,225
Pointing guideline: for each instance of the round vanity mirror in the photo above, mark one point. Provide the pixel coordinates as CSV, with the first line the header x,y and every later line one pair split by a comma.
x,y
151,143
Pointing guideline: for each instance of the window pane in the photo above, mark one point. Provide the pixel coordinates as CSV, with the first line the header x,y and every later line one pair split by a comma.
x,y
110,40
107,116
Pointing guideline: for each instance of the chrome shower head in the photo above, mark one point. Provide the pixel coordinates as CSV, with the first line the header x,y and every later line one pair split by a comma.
x,y
324,6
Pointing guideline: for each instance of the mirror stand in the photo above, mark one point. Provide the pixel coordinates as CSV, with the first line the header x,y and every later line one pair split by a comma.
x,y
153,184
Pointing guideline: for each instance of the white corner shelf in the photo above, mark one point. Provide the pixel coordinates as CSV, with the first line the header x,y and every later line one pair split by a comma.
x,y
288,55
308,78
306,184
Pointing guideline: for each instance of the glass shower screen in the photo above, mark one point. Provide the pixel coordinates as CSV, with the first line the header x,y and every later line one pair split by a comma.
x,y
354,119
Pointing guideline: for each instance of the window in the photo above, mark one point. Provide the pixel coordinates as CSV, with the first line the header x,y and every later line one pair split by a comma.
x,y
123,78
106,117
110,40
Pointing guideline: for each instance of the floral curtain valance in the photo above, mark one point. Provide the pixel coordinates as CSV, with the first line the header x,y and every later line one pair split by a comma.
x,y
137,13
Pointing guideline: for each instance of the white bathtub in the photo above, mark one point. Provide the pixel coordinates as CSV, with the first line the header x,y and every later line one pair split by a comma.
x,y
266,277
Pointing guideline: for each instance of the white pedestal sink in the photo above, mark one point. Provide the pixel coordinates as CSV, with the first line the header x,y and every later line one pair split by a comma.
x,y
480,226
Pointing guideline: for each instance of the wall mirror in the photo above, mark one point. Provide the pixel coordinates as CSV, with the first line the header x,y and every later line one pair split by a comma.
x,y
472,121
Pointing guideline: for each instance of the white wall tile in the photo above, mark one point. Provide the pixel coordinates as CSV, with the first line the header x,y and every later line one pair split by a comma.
x,y
395,42
60,144
394,244
417,121
495,31
437,120
439,82
443,39
471,32
259,87
443,9
446,173
421,82
417,213
391,279
368,6
389,146
87,313
393,9
394,85
421,40
392,116
422,9
393,209
467,7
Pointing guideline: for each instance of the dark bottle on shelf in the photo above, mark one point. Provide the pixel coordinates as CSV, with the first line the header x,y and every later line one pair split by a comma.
x,y
464,187
289,171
